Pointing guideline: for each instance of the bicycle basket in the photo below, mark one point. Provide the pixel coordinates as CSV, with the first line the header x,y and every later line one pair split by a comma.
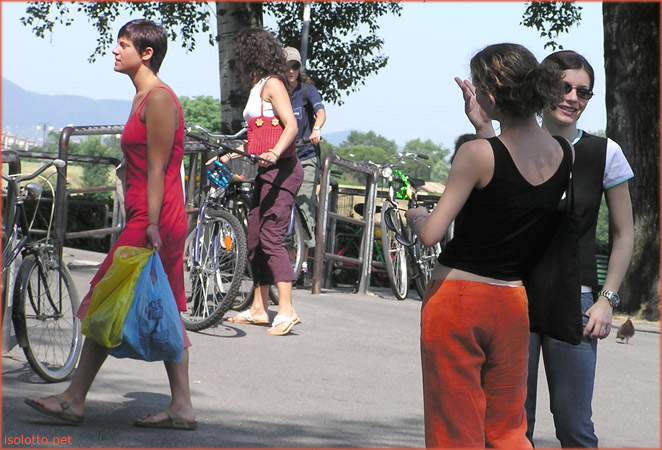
x,y
243,168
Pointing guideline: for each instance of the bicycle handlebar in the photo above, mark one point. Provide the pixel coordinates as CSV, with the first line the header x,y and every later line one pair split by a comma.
x,y
228,137
21,177
225,149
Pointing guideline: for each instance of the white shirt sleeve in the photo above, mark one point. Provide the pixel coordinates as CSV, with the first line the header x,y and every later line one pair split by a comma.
x,y
617,168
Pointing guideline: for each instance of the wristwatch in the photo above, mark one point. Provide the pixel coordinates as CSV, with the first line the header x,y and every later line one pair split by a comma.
x,y
317,128
611,296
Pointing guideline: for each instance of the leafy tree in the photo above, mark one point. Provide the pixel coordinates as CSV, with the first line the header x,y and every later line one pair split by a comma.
x,y
370,139
632,61
551,18
363,153
342,55
438,155
97,174
183,20
202,110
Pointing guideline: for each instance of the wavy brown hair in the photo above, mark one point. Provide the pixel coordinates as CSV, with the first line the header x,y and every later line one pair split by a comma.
x,y
259,54
519,84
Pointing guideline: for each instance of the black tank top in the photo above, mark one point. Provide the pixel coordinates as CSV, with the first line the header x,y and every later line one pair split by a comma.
x,y
502,228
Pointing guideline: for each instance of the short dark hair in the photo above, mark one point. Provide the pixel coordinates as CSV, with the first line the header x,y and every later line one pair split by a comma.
x,y
145,33
519,84
568,60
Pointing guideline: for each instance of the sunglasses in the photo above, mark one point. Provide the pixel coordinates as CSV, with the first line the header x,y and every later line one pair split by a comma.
x,y
582,93
295,66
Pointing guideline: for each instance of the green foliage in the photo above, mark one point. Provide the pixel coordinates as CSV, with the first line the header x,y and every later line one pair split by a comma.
x,y
363,153
356,138
343,46
202,110
602,233
551,18
95,174
181,19
437,162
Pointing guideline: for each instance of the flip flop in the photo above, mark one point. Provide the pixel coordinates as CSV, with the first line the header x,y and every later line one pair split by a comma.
x,y
279,319
245,317
173,422
66,414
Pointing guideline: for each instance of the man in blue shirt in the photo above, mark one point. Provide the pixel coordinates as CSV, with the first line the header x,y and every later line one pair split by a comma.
x,y
309,112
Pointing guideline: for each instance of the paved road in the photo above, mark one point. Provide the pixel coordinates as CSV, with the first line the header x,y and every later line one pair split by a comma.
x,y
349,376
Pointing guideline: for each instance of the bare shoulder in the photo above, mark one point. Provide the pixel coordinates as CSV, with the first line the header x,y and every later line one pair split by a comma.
x,y
475,161
161,97
273,85
475,152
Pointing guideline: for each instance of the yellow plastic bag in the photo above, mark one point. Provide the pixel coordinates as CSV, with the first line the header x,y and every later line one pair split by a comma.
x,y
112,296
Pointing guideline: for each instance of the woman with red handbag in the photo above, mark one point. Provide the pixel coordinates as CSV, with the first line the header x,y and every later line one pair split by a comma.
x,y
272,129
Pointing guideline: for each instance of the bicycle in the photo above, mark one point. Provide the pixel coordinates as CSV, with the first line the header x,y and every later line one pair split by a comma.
x,y
44,300
236,199
422,259
215,249
396,257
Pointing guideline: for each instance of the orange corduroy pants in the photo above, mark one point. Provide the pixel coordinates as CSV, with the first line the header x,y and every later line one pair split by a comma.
x,y
474,352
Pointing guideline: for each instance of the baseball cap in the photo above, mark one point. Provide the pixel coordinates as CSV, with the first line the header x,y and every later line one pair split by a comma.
x,y
292,54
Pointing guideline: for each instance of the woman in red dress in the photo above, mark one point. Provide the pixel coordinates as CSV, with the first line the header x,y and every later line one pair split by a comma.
x,y
153,147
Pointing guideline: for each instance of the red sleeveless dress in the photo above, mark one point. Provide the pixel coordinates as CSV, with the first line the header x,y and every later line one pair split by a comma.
x,y
172,224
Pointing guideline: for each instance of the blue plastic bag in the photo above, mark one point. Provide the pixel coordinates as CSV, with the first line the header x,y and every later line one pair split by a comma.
x,y
152,328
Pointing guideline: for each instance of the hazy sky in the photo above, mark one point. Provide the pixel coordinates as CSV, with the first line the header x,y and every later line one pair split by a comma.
x,y
413,97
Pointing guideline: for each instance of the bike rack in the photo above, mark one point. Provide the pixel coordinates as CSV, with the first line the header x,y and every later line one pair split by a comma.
x,y
62,193
327,215
13,160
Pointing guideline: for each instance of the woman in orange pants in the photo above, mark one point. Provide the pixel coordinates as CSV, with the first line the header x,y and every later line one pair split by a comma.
x,y
503,194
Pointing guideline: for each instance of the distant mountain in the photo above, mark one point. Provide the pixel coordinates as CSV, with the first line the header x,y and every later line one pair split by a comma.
x,y
22,111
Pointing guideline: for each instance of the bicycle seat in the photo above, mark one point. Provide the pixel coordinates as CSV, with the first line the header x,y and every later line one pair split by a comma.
x,y
360,207
416,182
34,190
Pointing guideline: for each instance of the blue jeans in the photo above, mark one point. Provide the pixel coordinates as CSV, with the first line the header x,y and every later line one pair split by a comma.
x,y
570,371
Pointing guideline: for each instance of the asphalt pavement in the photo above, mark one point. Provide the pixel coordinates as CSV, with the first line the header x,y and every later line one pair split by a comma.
x,y
348,376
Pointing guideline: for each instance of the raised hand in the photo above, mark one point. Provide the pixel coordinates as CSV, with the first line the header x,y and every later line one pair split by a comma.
x,y
478,118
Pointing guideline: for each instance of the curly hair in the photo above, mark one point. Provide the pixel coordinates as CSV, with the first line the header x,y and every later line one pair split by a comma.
x,y
519,84
145,33
259,54
568,60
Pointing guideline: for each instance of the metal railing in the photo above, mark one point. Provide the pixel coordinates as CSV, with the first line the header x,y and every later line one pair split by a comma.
x,y
328,216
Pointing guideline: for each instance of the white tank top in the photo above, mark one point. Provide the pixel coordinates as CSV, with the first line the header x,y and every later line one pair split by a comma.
x,y
255,106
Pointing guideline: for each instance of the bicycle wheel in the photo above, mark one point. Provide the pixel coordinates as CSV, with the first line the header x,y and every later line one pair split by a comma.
x,y
215,273
425,260
295,245
395,255
44,315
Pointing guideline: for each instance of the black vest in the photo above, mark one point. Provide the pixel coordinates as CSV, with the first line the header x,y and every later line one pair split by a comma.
x,y
589,168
